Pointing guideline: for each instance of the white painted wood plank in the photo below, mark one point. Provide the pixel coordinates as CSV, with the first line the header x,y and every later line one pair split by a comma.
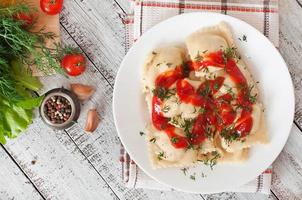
x,y
59,170
13,183
287,176
291,47
98,29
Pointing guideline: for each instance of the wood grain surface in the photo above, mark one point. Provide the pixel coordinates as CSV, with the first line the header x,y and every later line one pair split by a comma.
x,y
71,164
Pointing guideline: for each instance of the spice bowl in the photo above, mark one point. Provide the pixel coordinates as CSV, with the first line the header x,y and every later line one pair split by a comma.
x,y
60,108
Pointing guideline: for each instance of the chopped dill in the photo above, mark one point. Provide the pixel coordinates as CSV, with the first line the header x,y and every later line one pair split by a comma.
x,y
161,155
165,109
193,177
184,170
174,140
163,93
198,57
213,160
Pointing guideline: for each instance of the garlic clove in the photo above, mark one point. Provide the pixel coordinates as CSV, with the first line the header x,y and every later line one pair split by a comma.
x,y
83,92
92,120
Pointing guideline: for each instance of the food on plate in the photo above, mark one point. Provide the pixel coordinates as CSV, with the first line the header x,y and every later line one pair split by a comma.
x,y
74,64
92,120
203,102
51,7
82,91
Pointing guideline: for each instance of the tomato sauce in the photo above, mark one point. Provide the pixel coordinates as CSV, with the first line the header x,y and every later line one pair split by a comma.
x,y
218,112
161,123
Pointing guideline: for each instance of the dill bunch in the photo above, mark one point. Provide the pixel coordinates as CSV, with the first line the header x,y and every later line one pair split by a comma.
x,y
7,84
16,42
21,43
11,10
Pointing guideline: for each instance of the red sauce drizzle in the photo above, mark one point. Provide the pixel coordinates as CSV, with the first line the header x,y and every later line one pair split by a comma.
x,y
218,112
161,123
168,78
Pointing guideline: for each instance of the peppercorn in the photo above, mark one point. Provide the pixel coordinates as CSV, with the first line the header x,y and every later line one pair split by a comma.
x,y
57,109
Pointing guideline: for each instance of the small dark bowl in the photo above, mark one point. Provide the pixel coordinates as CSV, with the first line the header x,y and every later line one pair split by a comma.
x,y
74,103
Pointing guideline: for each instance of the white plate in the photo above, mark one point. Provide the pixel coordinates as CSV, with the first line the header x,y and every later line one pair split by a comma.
x,y
267,66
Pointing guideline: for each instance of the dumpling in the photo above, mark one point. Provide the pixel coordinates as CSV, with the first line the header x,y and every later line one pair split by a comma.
x,y
159,61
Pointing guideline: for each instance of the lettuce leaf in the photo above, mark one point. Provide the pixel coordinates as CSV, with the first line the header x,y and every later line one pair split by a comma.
x,y
17,115
15,118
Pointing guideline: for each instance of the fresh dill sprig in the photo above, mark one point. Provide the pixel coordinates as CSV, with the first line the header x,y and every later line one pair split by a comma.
x,y
11,10
29,47
229,134
163,93
161,155
184,170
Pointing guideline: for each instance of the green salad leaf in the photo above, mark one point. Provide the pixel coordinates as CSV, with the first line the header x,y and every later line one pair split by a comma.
x,y
16,109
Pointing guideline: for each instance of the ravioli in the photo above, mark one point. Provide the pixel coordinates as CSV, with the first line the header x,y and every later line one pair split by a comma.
x,y
203,102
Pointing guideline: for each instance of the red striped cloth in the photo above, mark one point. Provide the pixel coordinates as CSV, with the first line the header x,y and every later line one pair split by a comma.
x,y
262,14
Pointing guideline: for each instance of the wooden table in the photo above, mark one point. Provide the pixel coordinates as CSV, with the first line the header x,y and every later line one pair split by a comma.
x,y
71,164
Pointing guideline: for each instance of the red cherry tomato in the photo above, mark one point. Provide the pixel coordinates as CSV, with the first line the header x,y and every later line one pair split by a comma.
x,y
74,64
26,19
51,7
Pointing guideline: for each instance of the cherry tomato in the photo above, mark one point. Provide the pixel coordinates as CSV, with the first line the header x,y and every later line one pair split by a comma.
x,y
74,64
51,7
26,19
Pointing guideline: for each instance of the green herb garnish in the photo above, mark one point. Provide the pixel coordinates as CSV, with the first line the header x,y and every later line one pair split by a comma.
x,y
190,146
17,42
161,155
228,53
141,133
165,109
153,140
184,170
163,93
198,57
209,131
244,38
169,64
187,125
193,177
174,140
202,110
212,161
206,90
229,134
174,120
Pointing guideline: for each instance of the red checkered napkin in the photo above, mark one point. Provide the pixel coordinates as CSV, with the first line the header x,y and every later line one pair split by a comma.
x,y
262,14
